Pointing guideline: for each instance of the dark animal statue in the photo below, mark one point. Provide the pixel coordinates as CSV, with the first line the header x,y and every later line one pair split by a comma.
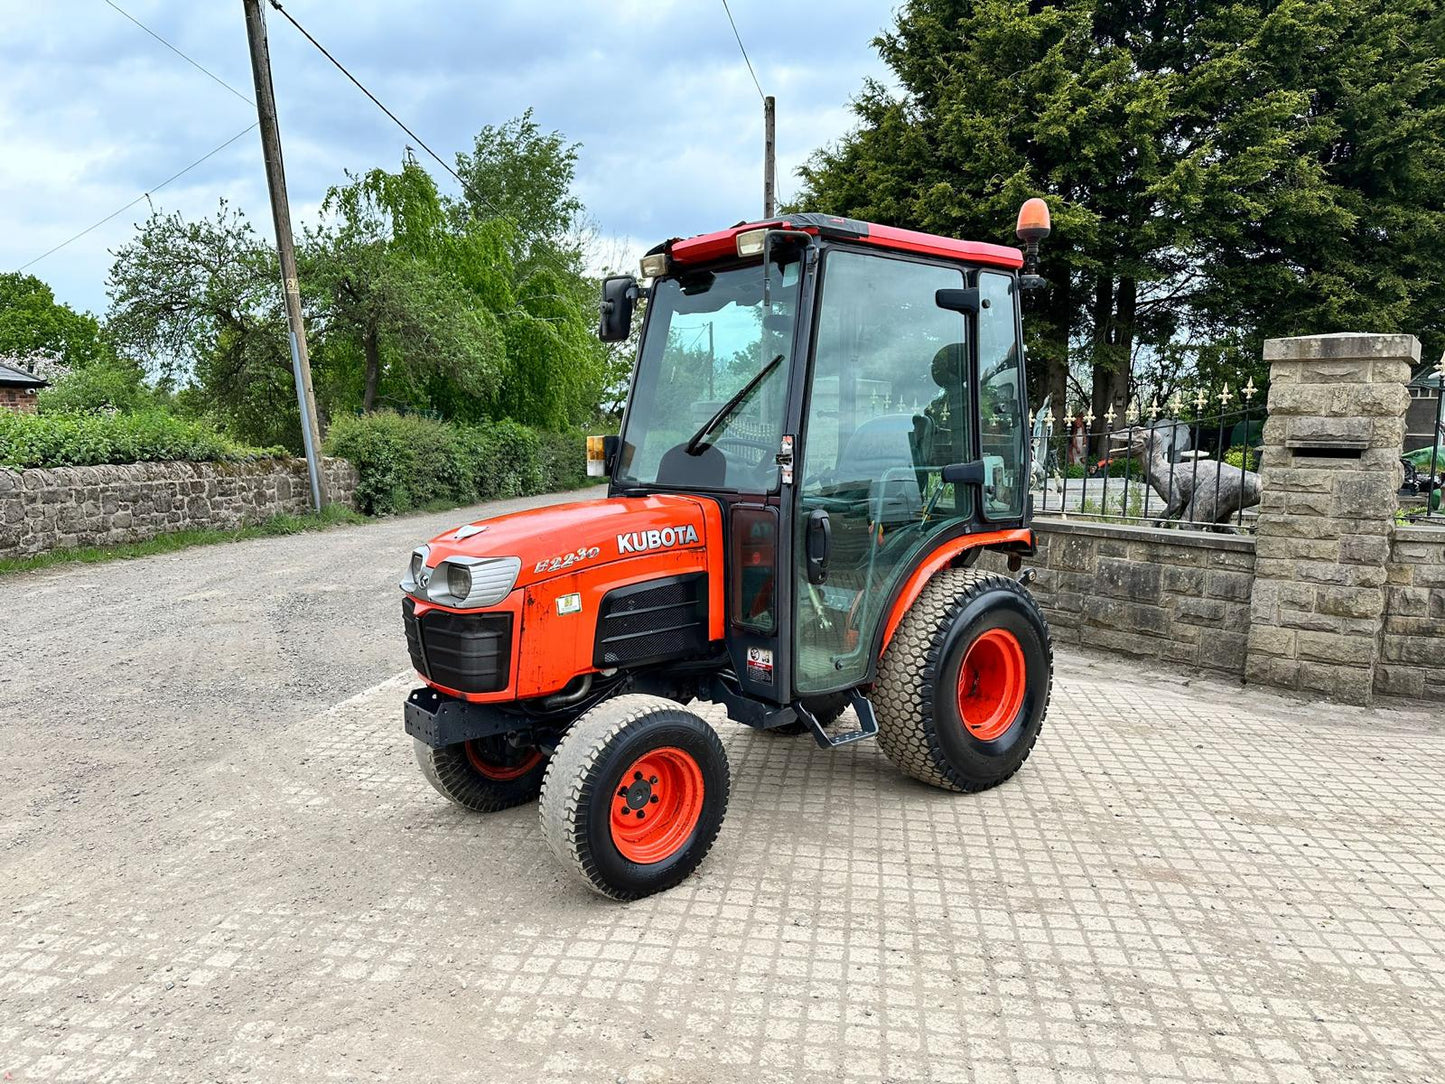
x,y
1201,491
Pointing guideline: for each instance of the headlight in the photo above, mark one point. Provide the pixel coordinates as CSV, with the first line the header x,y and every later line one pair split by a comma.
x,y
474,581
459,580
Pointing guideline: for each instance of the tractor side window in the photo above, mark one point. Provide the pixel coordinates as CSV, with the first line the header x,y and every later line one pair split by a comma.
x,y
889,407
1001,397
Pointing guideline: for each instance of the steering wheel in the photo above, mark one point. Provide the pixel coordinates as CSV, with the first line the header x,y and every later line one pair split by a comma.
x,y
759,469
762,446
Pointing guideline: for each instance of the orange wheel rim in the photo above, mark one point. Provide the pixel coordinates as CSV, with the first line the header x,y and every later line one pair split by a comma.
x,y
656,804
506,769
991,684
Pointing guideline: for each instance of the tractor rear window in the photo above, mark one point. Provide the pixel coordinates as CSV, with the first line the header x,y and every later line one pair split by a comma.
x,y
708,337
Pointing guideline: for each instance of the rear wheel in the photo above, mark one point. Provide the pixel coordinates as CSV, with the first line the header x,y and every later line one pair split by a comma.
x,y
963,686
635,795
485,775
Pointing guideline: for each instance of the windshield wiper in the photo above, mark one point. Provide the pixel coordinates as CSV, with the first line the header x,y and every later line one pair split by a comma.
x,y
694,446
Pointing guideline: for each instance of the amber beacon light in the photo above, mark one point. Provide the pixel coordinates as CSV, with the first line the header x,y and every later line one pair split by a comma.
x,y
1033,226
596,457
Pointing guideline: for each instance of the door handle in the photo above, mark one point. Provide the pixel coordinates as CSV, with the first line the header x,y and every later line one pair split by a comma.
x,y
819,545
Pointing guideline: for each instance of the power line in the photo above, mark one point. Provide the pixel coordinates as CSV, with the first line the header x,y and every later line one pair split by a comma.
x,y
466,188
375,100
743,49
144,195
193,63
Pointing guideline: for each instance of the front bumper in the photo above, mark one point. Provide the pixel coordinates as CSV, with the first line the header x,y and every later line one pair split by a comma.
x,y
439,720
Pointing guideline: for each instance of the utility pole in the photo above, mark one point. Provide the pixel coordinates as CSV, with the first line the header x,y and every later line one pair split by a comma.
x,y
770,202
281,213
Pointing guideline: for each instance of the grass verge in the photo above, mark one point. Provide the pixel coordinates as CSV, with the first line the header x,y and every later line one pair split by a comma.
x,y
331,516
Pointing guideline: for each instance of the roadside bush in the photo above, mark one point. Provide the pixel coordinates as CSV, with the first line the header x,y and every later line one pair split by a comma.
x,y
509,462
564,461
100,388
407,461
83,440
385,449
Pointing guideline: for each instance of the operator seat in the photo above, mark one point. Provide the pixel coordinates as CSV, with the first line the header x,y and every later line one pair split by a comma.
x,y
705,470
882,457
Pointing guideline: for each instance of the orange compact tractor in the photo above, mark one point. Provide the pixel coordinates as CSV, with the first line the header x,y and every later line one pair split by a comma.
x,y
826,427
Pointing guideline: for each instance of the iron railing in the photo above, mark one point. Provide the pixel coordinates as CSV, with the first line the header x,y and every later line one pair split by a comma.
x,y
1422,497
1166,465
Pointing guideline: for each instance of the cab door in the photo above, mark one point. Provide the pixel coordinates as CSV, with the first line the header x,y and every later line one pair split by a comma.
x,y
891,401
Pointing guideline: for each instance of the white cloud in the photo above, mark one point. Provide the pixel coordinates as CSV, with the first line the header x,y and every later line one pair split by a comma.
x,y
93,111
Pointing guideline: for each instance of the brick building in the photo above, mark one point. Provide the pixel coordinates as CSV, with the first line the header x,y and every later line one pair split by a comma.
x,y
18,388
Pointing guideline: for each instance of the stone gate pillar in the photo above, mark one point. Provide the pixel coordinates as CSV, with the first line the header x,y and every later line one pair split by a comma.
x,y
1329,472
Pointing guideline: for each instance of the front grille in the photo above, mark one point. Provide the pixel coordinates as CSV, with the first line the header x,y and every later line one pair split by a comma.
x,y
471,653
653,621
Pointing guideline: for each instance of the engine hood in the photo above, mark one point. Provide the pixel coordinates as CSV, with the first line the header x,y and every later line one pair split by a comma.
x,y
568,537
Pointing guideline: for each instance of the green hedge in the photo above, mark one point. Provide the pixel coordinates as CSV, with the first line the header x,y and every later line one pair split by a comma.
x,y
406,461
83,440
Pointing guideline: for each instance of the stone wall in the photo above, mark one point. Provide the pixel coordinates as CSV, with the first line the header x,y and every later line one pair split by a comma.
x,y
42,510
1330,597
1185,597
1330,471
1412,636
1176,596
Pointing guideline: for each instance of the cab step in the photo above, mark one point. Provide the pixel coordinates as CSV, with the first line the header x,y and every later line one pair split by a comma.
x,y
868,720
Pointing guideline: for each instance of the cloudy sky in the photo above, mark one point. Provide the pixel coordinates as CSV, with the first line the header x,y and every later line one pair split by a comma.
x,y
94,112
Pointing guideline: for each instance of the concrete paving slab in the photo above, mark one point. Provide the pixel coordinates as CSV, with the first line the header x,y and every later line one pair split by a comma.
x,y
1188,881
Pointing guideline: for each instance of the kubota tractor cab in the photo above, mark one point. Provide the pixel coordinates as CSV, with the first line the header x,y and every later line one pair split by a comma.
x,y
826,427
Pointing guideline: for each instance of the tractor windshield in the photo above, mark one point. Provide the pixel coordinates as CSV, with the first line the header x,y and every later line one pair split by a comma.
x,y
709,336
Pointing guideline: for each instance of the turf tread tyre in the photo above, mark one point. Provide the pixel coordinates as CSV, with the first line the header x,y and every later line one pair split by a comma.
x,y
451,773
572,779
909,672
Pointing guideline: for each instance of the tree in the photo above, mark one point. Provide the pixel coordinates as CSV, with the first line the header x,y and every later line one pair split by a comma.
x,y
200,305
442,314
413,300
391,282
521,175
1219,172
33,325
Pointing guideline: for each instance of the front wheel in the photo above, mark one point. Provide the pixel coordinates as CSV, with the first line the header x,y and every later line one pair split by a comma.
x,y
484,775
963,686
634,795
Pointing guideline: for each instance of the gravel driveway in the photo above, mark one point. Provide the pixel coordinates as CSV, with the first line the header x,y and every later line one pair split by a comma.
x,y
219,863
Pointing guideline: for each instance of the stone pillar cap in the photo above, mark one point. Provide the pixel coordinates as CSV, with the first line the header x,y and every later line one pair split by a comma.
x,y
1343,346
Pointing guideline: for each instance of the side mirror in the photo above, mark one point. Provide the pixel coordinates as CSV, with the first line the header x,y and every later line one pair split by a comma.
x,y
619,295
964,301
